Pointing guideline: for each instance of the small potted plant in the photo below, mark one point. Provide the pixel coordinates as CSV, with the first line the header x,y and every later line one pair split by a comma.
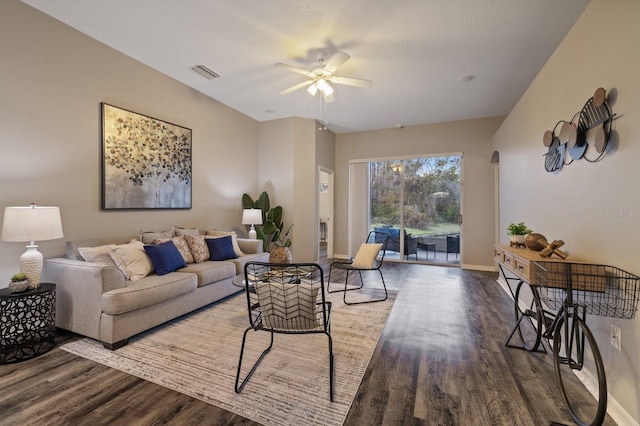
x,y
518,232
280,252
18,283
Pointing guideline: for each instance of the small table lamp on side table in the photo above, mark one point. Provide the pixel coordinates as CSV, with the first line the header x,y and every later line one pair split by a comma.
x,y
252,217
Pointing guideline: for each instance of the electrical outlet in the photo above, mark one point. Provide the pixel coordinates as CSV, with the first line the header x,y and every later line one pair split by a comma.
x,y
616,337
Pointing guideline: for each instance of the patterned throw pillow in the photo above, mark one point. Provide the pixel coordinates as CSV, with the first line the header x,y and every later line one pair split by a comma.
x,y
181,245
198,248
288,306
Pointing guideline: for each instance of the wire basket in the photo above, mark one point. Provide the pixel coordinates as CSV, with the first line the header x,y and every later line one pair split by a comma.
x,y
601,289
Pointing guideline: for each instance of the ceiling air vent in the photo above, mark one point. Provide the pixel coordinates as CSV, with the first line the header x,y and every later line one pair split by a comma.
x,y
205,72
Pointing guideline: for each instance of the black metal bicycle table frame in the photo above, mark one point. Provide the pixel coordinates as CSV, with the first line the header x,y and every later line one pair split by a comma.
x,y
560,298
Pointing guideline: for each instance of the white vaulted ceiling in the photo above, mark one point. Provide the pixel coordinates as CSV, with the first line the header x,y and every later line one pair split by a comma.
x,y
413,50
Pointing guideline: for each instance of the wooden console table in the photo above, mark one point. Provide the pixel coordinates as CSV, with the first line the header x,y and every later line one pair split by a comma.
x,y
519,261
517,265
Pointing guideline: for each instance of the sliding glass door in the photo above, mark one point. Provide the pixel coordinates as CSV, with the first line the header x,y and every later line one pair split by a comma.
x,y
417,201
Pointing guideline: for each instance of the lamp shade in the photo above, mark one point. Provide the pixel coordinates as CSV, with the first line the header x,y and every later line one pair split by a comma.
x,y
324,87
252,217
31,223
313,89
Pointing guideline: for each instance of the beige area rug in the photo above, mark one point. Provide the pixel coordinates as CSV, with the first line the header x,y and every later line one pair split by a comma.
x,y
197,355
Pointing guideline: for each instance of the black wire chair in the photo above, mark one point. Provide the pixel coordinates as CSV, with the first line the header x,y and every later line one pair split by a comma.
x,y
353,264
285,298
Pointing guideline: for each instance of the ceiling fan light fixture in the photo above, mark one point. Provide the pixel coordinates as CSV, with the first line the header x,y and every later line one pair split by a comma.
x,y
313,89
321,75
324,87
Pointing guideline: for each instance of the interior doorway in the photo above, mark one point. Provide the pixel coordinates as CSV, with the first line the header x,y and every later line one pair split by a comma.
x,y
325,212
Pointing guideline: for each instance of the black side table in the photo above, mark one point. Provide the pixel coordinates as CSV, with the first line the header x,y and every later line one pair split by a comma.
x,y
27,323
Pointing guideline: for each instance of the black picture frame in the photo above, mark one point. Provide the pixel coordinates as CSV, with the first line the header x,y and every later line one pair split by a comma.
x,y
146,162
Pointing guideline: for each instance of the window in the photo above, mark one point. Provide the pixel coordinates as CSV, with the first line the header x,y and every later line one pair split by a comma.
x,y
418,198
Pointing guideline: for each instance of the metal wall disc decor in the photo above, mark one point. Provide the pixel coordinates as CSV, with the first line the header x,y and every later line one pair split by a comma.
x,y
589,127
554,158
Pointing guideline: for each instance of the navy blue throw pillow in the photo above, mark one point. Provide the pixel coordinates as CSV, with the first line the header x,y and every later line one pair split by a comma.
x,y
165,257
221,248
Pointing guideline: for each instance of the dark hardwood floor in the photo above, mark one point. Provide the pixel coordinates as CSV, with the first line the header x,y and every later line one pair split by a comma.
x,y
441,360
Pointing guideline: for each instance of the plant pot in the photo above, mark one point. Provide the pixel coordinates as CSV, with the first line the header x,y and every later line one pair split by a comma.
x,y
280,255
518,239
18,286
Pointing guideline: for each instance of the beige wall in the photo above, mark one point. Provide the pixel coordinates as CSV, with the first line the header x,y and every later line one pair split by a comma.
x,y
593,207
470,137
52,80
291,151
305,192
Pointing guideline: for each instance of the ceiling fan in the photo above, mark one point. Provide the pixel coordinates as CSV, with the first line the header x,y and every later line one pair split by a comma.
x,y
322,74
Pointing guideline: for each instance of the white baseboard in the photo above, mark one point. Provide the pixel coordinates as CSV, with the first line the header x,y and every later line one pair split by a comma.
x,y
619,414
479,267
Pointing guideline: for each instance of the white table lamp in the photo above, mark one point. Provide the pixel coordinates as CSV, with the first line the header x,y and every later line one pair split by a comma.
x,y
252,217
32,223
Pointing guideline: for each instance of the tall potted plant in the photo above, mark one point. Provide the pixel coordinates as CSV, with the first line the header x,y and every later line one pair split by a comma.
x,y
272,224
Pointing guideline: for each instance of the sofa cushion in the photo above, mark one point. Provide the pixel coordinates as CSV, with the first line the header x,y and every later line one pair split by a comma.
x,y
165,257
254,257
99,254
148,237
234,239
221,248
132,260
147,291
250,246
73,246
179,231
210,272
181,245
198,248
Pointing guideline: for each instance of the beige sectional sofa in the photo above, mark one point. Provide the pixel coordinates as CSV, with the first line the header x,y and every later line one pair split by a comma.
x,y
96,299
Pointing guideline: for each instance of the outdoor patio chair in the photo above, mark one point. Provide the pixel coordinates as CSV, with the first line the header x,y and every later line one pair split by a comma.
x,y
453,245
369,258
410,242
288,299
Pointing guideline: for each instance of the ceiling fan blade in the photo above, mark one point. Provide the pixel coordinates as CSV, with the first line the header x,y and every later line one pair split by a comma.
x,y
358,82
336,61
296,87
294,69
